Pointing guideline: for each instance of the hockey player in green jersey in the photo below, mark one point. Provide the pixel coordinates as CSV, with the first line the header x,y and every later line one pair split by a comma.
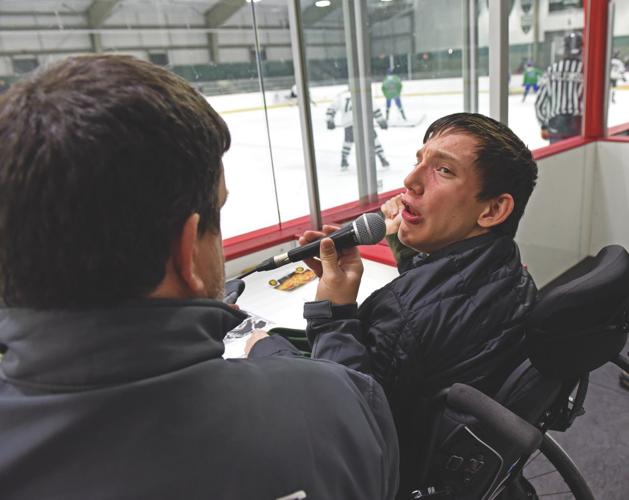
x,y
531,76
392,88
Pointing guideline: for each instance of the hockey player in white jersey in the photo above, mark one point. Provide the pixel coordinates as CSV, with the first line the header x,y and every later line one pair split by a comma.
x,y
340,113
617,72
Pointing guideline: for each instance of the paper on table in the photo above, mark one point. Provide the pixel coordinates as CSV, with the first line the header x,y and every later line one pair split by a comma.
x,y
236,339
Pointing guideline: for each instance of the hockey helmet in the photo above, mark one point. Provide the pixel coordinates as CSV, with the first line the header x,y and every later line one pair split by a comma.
x,y
573,44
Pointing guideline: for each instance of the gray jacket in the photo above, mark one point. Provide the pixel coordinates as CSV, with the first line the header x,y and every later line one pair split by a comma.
x,y
136,402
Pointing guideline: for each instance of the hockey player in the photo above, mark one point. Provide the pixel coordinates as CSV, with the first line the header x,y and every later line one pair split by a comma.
x,y
392,88
531,77
341,111
617,72
559,104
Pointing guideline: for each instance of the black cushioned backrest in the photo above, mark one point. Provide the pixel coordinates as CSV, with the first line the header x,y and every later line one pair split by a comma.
x,y
580,325
528,393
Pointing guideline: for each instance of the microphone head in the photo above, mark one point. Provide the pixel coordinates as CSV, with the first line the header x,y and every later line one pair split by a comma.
x,y
369,229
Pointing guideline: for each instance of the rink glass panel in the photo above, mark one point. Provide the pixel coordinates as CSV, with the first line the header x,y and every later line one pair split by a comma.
x,y
326,62
536,34
213,45
618,97
419,42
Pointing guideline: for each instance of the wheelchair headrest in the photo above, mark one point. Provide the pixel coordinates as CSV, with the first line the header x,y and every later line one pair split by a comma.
x,y
580,325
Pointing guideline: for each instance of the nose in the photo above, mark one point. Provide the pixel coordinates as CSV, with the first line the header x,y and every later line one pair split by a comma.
x,y
414,181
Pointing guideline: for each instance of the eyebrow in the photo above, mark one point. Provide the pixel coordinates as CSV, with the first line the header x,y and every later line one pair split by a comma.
x,y
440,154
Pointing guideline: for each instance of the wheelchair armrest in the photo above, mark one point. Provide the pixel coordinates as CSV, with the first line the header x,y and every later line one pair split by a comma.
x,y
506,424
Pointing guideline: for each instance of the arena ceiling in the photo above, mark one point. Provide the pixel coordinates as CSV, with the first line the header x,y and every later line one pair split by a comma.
x,y
94,14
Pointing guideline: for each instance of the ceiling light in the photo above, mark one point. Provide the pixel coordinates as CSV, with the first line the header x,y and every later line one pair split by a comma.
x,y
322,3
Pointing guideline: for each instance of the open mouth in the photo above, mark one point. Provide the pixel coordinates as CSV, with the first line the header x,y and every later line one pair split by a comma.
x,y
409,210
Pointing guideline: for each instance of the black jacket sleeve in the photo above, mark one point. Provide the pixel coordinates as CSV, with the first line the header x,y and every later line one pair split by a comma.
x,y
274,345
384,430
365,340
335,333
374,404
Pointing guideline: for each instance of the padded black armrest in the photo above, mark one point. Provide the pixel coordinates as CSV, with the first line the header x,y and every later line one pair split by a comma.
x,y
506,424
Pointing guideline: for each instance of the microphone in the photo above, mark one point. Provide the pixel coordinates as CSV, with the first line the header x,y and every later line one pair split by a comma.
x,y
368,229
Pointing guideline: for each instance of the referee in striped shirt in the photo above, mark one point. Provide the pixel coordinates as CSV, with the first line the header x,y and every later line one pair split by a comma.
x,y
559,104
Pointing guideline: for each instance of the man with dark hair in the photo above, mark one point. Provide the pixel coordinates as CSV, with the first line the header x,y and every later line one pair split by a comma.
x,y
455,314
112,383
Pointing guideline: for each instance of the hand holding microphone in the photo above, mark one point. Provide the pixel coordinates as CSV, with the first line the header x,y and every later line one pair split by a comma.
x,y
340,267
339,271
392,211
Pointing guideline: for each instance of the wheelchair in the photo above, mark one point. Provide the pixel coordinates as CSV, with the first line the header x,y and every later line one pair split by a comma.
x,y
479,446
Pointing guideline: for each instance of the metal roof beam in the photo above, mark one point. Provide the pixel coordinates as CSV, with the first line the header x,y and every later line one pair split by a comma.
x,y
99,11
215,16
22,13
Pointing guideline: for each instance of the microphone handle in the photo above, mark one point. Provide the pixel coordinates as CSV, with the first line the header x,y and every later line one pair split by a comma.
x,y
343,238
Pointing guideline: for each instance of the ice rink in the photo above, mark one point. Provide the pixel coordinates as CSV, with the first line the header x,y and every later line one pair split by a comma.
x,y
251,165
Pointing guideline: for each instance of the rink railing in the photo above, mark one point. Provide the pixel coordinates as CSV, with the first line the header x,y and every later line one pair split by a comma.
x,y
619,133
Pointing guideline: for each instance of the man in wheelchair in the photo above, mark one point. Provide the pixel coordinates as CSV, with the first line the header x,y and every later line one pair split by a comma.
x,y
456,313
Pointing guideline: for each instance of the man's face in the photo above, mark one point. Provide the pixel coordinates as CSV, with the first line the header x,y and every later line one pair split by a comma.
x,y
211,261
440,205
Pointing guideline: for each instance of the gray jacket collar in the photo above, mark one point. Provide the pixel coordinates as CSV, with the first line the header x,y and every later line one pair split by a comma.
x,y
87,348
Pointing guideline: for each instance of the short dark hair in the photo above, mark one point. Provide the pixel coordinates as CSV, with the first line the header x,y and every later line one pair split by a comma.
x,y
503,161
102,160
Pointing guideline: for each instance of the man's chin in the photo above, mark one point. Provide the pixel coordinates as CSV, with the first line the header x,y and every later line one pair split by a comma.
x,y
414,243
406,242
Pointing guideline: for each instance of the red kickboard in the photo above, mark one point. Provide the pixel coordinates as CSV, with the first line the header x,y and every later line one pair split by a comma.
x,y
378,253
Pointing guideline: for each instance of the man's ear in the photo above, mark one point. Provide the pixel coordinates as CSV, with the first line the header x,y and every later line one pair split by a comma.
x,y
496,211
184,255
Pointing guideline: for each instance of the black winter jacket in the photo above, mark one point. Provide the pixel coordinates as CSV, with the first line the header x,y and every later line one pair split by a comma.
x,y
137,403
455,316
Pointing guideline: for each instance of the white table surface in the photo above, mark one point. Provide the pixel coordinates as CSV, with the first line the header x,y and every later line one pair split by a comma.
x,y
285,308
